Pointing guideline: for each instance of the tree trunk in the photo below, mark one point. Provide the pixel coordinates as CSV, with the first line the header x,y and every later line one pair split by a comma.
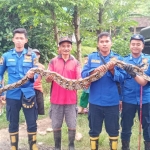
x,y
56,36
76,23
100,13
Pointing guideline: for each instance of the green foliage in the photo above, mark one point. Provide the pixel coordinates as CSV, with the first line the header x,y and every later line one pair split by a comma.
x,y
121,45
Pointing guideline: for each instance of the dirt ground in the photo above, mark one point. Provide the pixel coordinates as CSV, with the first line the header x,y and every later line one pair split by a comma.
x,y
42,127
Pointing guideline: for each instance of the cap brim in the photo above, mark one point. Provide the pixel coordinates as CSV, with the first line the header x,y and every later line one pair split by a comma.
x,y
65,41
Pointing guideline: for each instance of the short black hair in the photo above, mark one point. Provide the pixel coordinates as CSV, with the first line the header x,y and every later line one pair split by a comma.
x,y
20,30
103,34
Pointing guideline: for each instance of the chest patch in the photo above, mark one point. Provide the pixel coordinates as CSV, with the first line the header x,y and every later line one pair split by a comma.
x,y
95,61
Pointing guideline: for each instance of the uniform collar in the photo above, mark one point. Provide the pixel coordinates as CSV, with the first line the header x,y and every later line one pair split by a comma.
x,y
141,56
111,54
23,52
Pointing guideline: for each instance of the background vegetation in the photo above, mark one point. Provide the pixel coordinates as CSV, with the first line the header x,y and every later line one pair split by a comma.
x,y
47,20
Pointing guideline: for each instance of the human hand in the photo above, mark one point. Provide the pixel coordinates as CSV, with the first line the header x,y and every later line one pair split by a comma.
x,y
100,69
2,99
87,85
30,74
49,78
129,70
111,66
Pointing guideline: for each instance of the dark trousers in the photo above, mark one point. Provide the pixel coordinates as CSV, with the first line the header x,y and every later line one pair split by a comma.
x,y
40,102
128,114
13,108
108,114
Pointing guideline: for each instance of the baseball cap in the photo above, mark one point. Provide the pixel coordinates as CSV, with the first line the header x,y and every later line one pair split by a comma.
x,y
137,37
36,51
65,39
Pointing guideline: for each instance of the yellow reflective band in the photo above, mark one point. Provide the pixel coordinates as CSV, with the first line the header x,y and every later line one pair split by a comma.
x,y
114,145
13,148
93,145
34,138
13,139
34,147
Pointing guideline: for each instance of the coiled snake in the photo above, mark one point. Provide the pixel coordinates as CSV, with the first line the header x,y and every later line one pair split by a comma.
x,y
75,84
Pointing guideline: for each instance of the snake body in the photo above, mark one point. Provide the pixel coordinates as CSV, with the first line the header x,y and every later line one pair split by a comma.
x,y
75,84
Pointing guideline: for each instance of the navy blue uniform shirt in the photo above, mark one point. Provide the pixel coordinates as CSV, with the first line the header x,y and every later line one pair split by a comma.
x,y
17,66
103,92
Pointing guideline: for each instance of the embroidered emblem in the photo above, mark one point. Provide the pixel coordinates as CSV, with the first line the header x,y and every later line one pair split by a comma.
x,y
144,60
27,58
35,61
113,58
145,64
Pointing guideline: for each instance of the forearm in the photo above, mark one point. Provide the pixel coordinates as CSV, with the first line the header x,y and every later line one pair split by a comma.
x,y
140,80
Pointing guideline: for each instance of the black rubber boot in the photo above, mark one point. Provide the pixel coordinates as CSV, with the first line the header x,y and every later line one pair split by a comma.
x,y
14,141
32,141
125,145
94,143
71,138
57,139
147,145
113,143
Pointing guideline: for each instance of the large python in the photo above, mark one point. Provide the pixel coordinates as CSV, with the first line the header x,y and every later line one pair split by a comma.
x,y
72,84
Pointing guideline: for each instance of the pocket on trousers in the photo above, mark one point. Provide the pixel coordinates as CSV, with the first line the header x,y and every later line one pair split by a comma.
x,y
8,108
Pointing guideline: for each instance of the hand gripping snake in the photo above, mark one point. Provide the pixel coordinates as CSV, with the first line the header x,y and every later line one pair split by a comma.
x,y
75,84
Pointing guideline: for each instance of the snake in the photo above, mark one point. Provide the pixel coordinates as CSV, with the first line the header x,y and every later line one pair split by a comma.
x,y
76,84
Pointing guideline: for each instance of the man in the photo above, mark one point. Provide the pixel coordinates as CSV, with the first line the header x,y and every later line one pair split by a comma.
x,y
38,85
17,62
104,96
131,93
64,102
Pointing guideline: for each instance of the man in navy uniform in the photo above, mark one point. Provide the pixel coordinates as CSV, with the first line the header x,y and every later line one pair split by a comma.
x,y
104,96
17,62
131,93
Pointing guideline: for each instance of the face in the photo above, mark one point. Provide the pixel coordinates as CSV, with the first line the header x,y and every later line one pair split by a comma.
x,y
19,40
65,48
104,44
136,47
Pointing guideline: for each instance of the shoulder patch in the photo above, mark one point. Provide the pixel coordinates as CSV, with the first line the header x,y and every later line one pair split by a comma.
x,y
27,58
35,61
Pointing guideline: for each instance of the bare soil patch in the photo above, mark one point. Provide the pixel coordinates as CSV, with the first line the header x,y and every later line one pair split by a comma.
x,y
43,124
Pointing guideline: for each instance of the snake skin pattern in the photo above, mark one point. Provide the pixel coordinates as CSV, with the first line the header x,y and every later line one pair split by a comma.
x,y
75,84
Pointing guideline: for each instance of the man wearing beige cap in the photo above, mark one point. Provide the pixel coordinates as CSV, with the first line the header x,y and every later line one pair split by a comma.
x,y
63,101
